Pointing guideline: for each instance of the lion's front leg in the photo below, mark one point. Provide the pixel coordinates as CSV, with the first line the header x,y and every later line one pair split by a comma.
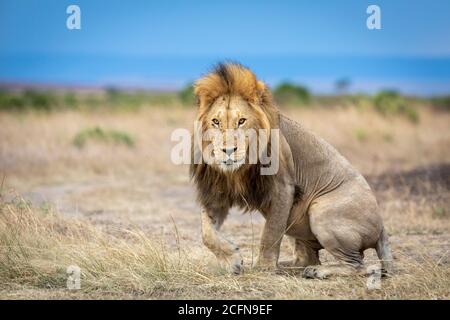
x,y
269,249
224,249
274,230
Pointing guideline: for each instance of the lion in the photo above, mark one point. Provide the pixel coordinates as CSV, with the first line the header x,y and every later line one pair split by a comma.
x,y
316,198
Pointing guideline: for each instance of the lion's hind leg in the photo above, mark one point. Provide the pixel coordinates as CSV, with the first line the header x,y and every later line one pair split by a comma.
x,y
345,222
325,271
384,254
305,253
348,263
344,245
342,241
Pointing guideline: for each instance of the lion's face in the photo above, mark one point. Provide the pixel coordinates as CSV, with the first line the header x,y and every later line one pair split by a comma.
x,y
233,107
226,124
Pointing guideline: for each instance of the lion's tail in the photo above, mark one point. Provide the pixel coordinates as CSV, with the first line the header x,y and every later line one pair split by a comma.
x,y
384,253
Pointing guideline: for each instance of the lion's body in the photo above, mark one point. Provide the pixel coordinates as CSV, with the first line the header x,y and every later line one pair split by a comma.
x,y
337,204
316,197
323,174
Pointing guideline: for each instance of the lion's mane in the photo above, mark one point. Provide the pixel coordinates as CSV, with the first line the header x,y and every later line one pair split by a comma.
x,y
245,187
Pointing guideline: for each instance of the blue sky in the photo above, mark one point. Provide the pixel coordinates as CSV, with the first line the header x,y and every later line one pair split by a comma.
x,y
167,43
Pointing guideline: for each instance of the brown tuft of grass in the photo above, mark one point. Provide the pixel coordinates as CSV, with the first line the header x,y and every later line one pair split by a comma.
x,y
38,246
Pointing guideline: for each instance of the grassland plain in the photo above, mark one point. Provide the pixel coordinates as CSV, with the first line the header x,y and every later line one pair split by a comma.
x,y
127,216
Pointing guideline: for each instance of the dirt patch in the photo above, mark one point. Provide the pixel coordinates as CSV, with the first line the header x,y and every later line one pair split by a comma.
x,y
406,198
423,181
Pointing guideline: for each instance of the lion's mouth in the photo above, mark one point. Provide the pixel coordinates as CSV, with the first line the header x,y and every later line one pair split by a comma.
x,y
230,162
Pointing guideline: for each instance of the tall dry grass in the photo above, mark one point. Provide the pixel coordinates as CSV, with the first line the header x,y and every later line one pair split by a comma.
x,y
37,246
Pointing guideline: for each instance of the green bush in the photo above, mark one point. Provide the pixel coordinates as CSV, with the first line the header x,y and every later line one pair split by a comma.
x,y
100,135
390,102
28,99
112,98
10,101
412,114
360,101
122,100
40,100
361,134
187,96
290,94
161,99
70,100
133,100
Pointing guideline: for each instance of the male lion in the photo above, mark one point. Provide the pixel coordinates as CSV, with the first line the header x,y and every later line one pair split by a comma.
x,y
316,197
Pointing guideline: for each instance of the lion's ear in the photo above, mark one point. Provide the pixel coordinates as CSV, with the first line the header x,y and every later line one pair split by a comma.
x,y
202,96
260,87
264,94
207,89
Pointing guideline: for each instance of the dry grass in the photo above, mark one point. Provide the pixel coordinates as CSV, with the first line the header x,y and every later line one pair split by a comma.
x,y
127,216
39,245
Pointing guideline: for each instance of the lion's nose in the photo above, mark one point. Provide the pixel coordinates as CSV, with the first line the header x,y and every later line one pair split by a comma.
x,y
229,151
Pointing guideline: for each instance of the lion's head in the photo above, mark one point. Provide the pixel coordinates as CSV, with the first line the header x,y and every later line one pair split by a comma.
x,y
230,102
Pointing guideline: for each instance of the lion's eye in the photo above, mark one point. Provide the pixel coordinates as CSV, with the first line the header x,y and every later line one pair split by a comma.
x,y
215,121
242,121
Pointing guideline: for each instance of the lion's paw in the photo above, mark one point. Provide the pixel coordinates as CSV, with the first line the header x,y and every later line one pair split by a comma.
x,y
314,272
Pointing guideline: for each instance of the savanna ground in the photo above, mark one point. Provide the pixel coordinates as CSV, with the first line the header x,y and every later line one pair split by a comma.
x,y
97,189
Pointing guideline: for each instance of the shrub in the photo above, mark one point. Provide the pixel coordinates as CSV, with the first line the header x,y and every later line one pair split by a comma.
x,y
290,94
40,100
70,100
9,101
123,100
360,101
161,99
389,102
361,135
101,135
411,114
93,101
112,98
187,96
